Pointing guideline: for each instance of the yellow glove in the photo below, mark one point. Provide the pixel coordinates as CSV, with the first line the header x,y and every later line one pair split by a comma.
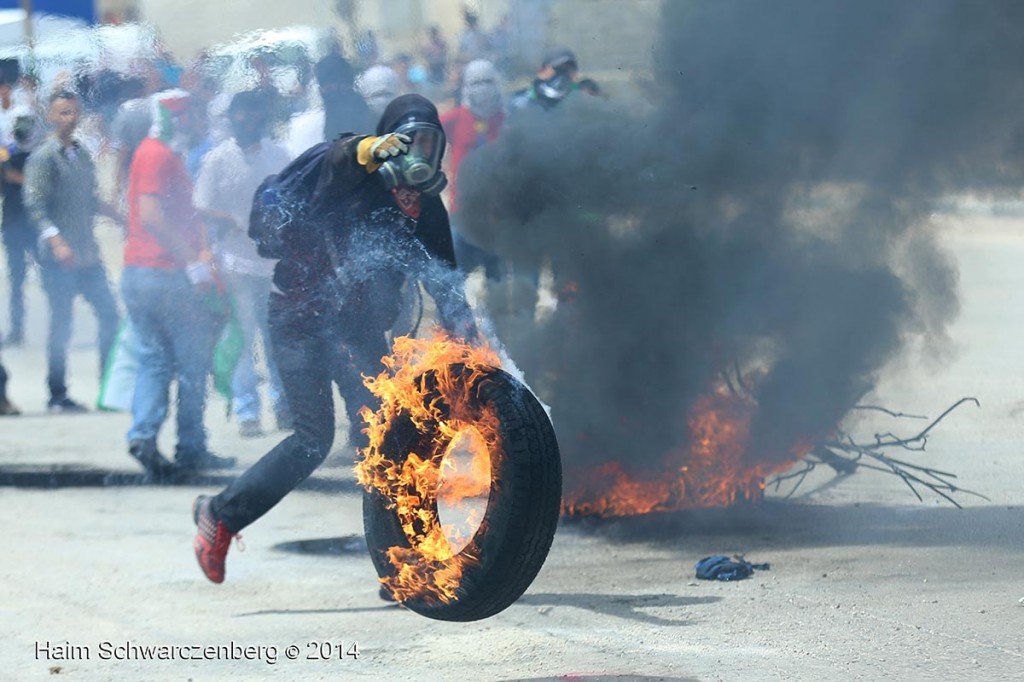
x,y
373,151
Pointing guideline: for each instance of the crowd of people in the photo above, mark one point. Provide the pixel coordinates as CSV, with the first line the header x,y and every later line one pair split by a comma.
x,y
199,176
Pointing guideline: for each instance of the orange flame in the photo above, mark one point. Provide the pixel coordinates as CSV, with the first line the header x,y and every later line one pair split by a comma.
x,y
713,471
429,382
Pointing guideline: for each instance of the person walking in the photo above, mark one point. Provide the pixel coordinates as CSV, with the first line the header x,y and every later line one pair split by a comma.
x,y
60,195
169,287
228,177
18,235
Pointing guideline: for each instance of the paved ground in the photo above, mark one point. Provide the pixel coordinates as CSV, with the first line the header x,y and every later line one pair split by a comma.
x,y
865,583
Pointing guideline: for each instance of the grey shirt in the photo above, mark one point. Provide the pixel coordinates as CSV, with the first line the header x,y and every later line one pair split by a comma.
x,y
60,191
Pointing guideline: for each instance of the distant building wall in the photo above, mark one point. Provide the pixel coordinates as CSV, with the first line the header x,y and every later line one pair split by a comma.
x,y
188,26
606,34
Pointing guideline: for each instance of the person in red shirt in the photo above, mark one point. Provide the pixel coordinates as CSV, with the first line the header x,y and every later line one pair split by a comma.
x,y
475,122
167,283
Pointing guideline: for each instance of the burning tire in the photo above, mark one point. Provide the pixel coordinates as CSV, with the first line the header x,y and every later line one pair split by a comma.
x,y
523,495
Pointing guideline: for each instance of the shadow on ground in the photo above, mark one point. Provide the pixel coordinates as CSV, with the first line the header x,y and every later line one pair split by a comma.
x,y
625,606
75,476
346,545
579,677
774,525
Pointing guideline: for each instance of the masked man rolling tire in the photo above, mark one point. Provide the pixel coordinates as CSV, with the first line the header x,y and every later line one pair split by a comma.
x,y
349,222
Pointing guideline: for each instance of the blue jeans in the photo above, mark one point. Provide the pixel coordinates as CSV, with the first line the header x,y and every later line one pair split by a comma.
x,y
251,295
62,286
175,331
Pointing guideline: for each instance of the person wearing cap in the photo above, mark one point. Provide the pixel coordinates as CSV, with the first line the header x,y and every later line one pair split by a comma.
x,y
167,283
557,78
59,193
374,220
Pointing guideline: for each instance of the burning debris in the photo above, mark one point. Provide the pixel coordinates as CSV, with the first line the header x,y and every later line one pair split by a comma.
x,y
413,482
463,479
764,212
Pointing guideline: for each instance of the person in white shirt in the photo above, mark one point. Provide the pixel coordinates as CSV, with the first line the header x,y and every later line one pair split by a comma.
x,y
8,112
228,178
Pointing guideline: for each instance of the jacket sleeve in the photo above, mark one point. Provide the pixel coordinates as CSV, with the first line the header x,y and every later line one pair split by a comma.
x,y
37,187
341,174
444,281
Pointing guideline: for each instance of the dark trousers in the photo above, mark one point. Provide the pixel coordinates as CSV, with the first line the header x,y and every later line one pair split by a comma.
x,y
20,245
310,355
62,286
469,256
3,384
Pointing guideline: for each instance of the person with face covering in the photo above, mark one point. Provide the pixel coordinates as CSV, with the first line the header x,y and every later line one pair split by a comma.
x,y
228,177
475,122
168,275
344,111
373,220
557,78
378,86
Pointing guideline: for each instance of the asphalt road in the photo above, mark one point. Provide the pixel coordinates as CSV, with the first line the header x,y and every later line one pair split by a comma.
x,y
865,581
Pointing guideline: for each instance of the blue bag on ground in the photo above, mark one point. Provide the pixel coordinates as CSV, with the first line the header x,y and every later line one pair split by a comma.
x,y
723,568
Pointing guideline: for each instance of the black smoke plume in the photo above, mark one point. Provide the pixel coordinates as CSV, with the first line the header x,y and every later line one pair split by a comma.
x,y
766,207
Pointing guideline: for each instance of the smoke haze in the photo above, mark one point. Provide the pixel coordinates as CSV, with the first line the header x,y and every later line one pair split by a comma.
x,y
770,213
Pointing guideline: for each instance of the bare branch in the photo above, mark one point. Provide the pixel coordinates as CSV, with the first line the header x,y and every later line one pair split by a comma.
x,y
900,415
845,456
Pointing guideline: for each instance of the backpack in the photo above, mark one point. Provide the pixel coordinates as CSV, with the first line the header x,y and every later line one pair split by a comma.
x,y
284,200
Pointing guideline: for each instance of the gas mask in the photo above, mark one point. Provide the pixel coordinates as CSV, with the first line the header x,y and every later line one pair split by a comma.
x,y
420,167
554,89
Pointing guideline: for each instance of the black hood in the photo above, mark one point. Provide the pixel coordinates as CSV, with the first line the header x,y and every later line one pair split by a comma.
x,y
405,108
334,69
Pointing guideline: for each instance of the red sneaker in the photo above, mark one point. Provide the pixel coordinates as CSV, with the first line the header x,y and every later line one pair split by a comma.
x,y
212,540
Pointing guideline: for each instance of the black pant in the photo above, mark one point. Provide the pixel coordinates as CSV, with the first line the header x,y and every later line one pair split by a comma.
x,y
20,245
310,353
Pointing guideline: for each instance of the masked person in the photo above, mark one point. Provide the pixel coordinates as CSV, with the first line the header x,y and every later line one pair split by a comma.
x,y
228,177
378,85
373,219
344,110
475,122
557,78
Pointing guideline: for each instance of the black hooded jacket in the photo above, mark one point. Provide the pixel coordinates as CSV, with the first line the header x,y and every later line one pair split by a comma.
x,y
349,259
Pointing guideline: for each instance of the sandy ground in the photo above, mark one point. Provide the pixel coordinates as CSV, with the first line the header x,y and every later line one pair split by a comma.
x,y
865,581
